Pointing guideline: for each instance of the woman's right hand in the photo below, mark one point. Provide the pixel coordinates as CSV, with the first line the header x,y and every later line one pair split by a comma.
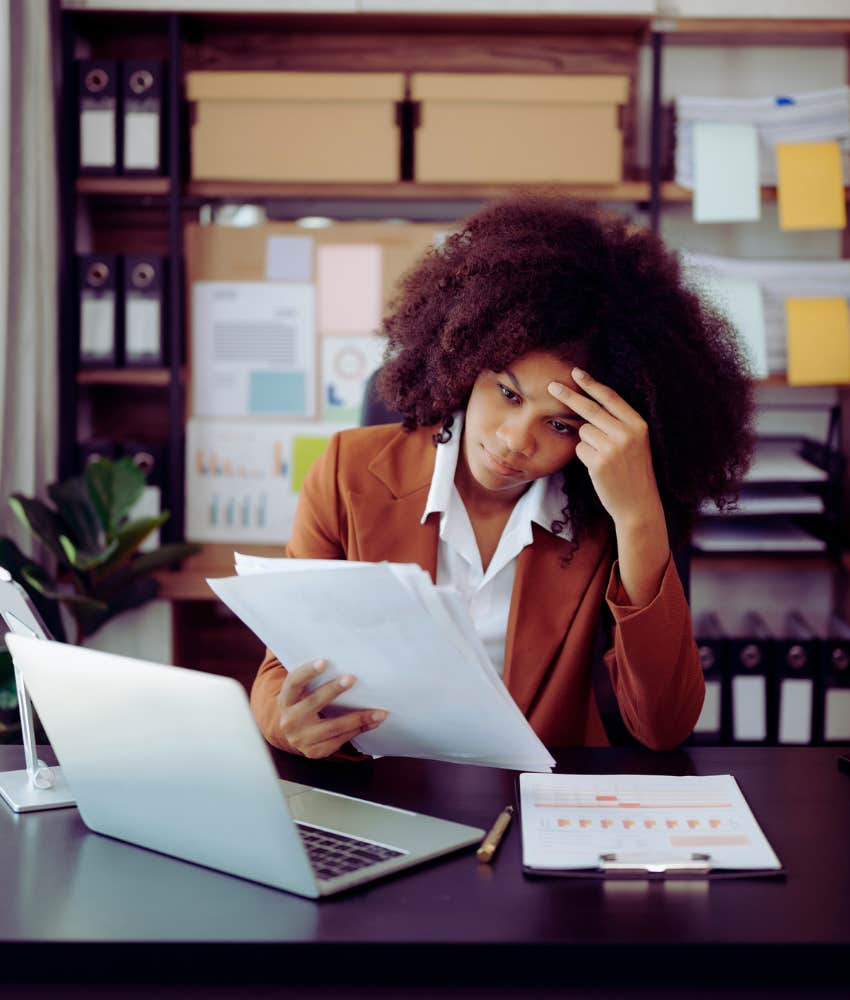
x,y
301,724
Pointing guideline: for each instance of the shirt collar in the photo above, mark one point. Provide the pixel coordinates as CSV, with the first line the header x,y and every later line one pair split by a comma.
x,y
542,502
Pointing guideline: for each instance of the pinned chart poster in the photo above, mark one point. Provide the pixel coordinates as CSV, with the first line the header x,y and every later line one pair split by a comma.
x,y
726,172
349,287
740,299
818,341
347,363
243,477
253,349
810,186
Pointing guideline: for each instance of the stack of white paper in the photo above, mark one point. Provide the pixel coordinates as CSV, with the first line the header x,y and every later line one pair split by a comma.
x,y
411,646
815,116
776,280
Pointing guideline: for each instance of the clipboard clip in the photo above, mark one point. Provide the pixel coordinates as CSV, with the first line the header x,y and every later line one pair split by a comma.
x,y
637,865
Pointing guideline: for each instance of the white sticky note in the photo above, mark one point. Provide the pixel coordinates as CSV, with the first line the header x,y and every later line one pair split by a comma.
x,y
141,141
749,711
726,172
837,714
289,258
97,138
709,719
741,301
349,288
795,711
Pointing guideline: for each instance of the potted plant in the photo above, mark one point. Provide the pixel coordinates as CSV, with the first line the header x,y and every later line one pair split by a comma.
x,y
98,571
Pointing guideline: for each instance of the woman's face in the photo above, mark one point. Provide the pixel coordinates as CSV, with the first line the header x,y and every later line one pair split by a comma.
x,y
515,430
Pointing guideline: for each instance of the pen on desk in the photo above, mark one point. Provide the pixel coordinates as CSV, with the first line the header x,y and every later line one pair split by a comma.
x,y
494,836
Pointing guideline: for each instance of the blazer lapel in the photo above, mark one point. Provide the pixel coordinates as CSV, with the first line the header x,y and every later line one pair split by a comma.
x,y
544,602
386,522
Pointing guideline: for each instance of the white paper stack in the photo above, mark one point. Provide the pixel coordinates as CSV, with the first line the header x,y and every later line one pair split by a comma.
x,y
412,647
814,116
777,280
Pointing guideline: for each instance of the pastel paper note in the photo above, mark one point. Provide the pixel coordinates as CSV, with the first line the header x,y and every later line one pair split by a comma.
x,y
726,172
740,300
818,341
810,186
289,258
349,288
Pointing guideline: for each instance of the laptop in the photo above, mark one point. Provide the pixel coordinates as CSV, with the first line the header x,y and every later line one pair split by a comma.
x,y
171,759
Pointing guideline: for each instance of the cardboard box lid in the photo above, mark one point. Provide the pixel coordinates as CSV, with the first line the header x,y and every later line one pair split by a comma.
x,y
212,85
520,88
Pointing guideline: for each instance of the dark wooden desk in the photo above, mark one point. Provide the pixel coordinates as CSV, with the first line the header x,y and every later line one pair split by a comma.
x,y
78,906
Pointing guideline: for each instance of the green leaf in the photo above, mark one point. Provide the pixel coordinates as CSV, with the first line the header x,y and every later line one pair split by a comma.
x,y
78,513
114,488
40,519
82,561
127,540
165,555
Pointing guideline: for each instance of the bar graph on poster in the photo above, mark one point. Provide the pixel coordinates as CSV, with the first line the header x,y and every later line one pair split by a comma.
x,y
243,477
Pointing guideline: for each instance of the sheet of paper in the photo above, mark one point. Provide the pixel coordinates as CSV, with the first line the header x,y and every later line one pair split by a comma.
x,y
726,172
810,186
349,280
289,258
373,621
253,349
568,820
778,280
243,477
347,363
818,341
740,299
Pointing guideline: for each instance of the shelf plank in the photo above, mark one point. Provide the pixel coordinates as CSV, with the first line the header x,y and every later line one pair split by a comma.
x,y
189,583
157,186
735,31
124,376
408,190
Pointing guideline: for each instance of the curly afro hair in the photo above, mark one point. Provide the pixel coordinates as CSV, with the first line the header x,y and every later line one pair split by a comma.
x,y
541,272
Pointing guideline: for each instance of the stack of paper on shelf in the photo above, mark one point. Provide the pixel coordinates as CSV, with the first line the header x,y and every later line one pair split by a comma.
x,y
411,645
729,284
778,486
811,117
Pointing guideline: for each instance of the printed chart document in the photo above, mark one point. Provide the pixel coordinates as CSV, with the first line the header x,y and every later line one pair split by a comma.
x,y
570,820
412,647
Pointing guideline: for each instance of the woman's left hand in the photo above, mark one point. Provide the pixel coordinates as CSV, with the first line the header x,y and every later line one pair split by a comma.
x,y
615,448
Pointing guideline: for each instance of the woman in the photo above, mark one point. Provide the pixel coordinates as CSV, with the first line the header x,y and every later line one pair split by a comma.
x,y
568,404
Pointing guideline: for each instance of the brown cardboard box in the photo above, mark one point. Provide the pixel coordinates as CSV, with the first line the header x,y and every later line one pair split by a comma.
x,y
515,128
305,127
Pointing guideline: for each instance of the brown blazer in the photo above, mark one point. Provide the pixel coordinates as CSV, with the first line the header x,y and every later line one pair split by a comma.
x,y
364,498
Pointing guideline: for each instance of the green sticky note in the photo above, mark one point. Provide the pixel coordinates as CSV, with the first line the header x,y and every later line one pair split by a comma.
x,y
305,451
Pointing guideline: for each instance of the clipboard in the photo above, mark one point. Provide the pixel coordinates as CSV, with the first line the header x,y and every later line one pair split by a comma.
x,y
568,824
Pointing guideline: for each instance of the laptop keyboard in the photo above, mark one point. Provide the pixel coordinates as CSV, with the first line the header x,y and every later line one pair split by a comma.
x,y
333,854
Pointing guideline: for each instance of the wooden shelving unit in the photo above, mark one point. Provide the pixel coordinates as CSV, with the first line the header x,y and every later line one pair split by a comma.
x,y
153,209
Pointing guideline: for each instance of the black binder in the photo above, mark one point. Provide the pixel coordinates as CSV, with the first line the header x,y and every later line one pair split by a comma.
x,y
751,683
98,303
713,647
97,104
797,657
144,311
835,683
141,117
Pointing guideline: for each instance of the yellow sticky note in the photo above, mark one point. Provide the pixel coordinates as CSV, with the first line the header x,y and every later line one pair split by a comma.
x,y
305,451
810,186
818,341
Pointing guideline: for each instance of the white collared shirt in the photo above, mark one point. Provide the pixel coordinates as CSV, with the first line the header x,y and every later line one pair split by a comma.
x,y
487,596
